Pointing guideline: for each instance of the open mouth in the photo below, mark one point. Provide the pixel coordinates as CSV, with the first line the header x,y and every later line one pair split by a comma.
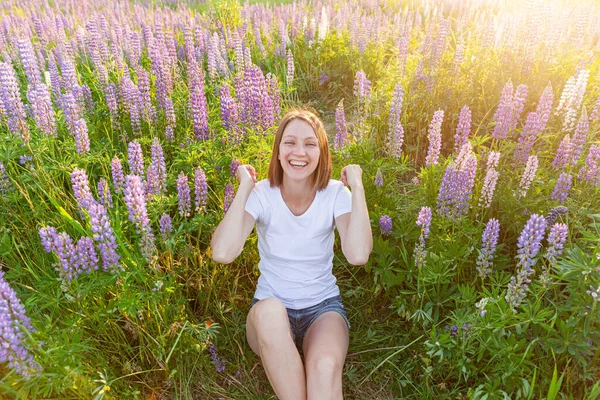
x,y
298,165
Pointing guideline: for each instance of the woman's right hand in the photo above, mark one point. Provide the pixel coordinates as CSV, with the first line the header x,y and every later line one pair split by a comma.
x,y
246,175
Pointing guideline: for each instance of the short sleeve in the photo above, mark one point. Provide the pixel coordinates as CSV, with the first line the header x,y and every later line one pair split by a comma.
x,y
343,202
254,206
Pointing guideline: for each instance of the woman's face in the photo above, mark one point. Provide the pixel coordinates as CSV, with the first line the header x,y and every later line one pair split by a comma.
x,y
299,150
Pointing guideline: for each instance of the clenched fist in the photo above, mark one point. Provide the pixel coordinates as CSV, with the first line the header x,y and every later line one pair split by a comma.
x,y
351,175
246,176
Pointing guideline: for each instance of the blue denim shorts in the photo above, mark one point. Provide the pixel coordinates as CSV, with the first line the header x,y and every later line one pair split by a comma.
x,y
302,319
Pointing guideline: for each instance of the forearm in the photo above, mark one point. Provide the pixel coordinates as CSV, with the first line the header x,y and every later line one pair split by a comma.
x,y
228,239
359,240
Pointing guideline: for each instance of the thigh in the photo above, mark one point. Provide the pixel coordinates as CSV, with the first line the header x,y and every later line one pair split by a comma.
x,y
268,313
327,337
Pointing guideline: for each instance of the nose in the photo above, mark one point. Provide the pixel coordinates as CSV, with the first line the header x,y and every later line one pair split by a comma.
x,y
299,149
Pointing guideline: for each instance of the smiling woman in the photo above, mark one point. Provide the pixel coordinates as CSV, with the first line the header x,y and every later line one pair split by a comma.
x,y
297,305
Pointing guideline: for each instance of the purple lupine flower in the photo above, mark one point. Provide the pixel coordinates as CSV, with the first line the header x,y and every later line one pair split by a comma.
x,y
229,195
26,161
135,199
229,113
64,249
556,241
527,137
544,107
81,189
435,138
71,110
571,98
5,184
86,259
503,112
82,141
158,167
30,65
165,226
563,153
424,221
517,106
200,189
530,240
135,159
529,244
199,111
104,236
579,137
111,103
235,163
117,174
457,184
47,235
562,187
170,113
13,323
489,241
340,125
463,129
395,137
459,54
289,78
169,133
530,170
41,106
378,178
323,78
219,362
591,170
362,87
596,110
402,52
274,96
183,194
11,100
488,188
385,224
554,213
104,195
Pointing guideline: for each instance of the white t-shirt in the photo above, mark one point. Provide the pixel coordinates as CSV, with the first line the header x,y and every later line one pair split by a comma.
x,y
296,252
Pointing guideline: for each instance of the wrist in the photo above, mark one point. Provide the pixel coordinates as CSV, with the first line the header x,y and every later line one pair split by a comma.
x,y
357,186
246,188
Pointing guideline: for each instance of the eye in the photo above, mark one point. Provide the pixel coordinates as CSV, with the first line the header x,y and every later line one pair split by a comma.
x,y
288,142
312,144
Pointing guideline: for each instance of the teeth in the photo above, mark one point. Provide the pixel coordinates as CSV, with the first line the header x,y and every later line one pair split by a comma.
x,y
297,164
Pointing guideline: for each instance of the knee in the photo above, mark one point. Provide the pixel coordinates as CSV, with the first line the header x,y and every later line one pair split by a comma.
x,y
269,314
324,365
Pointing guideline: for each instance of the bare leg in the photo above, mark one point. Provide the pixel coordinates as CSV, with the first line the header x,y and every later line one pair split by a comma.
x,y
325,347
269,335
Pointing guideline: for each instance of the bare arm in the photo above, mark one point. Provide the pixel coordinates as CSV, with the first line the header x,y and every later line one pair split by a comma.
x,y
228,240
355,229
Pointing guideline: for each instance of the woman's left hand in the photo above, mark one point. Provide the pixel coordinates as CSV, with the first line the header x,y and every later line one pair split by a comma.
x,y
351,175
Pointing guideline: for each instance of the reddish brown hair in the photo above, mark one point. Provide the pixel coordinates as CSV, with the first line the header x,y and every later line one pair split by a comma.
x,y
321,176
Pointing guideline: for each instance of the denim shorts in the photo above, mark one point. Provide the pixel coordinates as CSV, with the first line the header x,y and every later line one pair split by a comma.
x,y
302,319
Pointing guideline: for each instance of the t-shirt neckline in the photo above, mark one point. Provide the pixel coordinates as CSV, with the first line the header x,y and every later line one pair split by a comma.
x,y
290,211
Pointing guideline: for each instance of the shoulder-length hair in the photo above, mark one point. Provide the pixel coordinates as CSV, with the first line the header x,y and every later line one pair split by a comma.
x,y
322,175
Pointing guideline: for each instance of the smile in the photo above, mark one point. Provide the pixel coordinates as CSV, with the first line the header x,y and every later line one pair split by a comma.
x,y
298,164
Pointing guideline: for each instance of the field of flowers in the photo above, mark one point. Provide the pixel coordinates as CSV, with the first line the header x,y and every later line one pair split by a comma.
x,y
475,122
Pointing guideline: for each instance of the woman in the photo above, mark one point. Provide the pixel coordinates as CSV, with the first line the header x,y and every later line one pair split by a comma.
x,y
297,306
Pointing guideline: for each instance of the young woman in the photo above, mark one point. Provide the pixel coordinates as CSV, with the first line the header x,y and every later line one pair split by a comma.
x,y
297,306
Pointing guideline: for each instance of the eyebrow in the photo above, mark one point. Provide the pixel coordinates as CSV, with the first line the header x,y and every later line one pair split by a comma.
x,y
294,136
